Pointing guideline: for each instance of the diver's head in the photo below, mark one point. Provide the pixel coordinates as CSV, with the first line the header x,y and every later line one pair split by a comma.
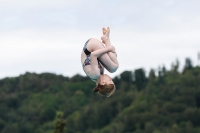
x,y
105,85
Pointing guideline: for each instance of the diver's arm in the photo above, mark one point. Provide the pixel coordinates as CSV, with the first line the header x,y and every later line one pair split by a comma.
x,y
99,52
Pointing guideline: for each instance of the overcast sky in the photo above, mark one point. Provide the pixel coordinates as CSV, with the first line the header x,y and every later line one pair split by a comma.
x,y
48,35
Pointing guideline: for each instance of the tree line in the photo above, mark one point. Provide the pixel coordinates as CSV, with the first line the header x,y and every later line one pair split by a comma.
x,y
162,101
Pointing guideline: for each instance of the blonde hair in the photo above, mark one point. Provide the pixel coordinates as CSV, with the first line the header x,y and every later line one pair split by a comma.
x,y
105,90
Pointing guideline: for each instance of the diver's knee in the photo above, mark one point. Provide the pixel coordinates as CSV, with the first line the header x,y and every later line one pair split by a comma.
x,y
114,69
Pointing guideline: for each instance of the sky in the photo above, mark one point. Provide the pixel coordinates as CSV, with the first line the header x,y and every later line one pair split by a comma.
x,y
48,35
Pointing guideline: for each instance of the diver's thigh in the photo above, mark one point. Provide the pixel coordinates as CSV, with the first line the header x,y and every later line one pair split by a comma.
x,y
94,44
107,62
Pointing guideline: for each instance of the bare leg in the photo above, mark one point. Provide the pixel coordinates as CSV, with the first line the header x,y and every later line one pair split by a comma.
x,y
110,66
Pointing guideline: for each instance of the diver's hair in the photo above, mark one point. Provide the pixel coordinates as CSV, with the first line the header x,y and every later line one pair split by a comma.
x,y
105,90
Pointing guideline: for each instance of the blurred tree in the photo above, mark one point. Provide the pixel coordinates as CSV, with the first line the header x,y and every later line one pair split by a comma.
x,y
189,127
78,77
161,75
59,123
140,78
129,124
175,66
149,127
126,76
2,124
197,98
152,75
175,128
188,65
116,80
164,70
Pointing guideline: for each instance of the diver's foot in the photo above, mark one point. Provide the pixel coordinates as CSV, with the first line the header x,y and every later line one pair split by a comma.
x,y
106,33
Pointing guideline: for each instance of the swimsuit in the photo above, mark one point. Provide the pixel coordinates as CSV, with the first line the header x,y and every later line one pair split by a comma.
x,y
87,60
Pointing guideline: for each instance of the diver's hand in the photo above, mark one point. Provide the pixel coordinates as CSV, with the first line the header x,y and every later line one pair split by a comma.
x,y
111,48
